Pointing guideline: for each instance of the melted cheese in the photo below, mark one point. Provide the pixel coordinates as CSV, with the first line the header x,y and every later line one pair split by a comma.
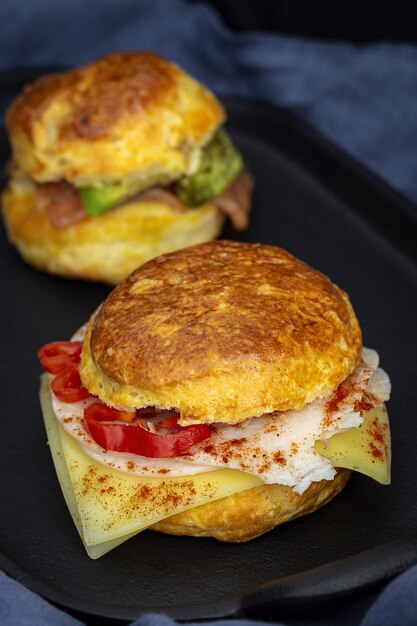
x,y
366,449
109,506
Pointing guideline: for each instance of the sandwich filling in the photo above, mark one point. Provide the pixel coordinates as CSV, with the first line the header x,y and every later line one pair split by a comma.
x,y
216,174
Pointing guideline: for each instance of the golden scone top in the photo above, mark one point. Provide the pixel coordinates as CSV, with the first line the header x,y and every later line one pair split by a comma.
x,y
222,331
100,95
126,112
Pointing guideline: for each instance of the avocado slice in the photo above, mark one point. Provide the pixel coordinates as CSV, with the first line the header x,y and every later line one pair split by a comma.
x,y
220,163
97,200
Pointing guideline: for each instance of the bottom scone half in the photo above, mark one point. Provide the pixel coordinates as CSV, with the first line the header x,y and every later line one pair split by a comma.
x,y
219,391
248,514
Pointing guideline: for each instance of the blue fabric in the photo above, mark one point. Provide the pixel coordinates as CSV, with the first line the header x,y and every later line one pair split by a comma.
x,y
397,605
361,97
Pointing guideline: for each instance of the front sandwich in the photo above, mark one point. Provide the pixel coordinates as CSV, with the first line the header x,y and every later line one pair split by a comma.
x,y
221,391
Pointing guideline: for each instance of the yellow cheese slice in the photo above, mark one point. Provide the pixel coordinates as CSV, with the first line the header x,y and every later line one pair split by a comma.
x,y
109,506
366,449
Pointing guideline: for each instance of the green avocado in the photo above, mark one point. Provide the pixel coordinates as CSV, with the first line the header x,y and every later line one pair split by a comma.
x,y
97,200
220,163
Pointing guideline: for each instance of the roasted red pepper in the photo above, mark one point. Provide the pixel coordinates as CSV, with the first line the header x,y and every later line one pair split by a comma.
x,y
67,386
170,422
131,438
62,358
55,357
103,413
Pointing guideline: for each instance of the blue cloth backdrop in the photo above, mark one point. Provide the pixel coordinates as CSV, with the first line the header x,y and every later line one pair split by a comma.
x,y
363,97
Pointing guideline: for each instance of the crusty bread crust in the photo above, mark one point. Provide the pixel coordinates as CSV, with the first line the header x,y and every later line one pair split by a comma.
x,y
251,513
105,248
130,115
222,331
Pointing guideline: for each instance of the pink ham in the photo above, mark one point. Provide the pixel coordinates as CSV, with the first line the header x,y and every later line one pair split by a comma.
x,y
61,202
236,201
162,195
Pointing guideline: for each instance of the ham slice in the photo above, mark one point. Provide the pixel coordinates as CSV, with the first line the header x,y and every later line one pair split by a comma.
x,y
162,195
62,203
236,201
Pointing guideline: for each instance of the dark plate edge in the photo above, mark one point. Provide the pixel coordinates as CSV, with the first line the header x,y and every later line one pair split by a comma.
x,y
386,210
332,580
299,591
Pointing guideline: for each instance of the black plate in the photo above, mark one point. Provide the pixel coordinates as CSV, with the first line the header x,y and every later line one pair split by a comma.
x,y
323,207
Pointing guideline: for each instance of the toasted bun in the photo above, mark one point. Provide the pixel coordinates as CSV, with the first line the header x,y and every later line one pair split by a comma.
x,y
251,513
222,331
127,116
105,248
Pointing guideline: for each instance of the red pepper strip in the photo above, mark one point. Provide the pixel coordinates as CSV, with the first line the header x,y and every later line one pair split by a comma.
x,y
129,438
170,422
103,413
67,386
55,357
